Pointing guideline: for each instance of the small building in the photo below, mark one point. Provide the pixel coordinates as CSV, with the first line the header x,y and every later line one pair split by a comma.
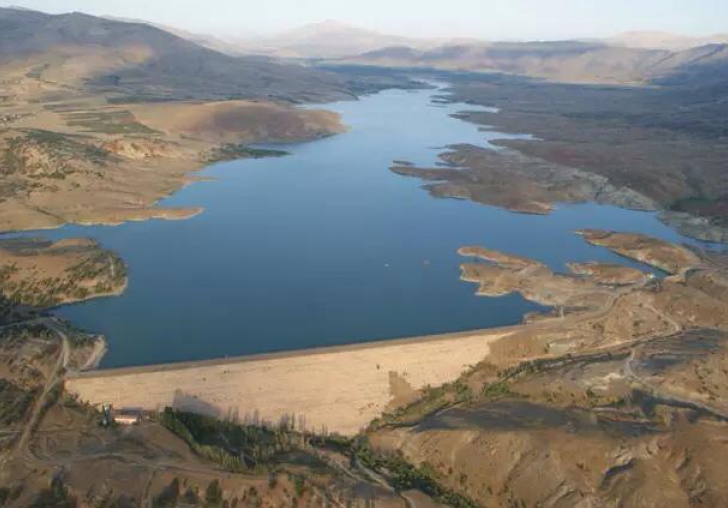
x,y
127,416
124,419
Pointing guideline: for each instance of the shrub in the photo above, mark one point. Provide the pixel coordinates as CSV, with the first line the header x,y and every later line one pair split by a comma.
x,y
169,496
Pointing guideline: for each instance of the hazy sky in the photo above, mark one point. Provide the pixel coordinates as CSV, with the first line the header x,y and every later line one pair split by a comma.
x,y
488,19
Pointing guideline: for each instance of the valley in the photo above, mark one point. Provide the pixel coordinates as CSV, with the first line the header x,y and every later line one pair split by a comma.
x,y
391,271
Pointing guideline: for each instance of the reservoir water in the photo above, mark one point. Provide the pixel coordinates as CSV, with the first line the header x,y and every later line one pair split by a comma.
x,y
326,247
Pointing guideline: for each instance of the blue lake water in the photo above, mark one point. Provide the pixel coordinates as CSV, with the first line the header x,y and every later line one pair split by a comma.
x,y
326,247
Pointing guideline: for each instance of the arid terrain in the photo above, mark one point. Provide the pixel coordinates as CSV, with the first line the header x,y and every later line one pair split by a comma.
x,y
616,395
82,142
615,145
617,401
589,62
624,379
82,159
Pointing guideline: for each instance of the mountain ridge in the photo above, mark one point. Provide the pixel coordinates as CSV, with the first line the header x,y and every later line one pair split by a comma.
x,y
138,59
561,61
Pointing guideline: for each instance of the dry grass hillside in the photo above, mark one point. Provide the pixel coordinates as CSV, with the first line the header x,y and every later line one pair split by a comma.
x,y
615,396
87,161
80,141
237,121
142,61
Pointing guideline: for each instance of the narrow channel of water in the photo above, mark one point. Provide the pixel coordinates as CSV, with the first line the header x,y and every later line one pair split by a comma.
x,y
326,247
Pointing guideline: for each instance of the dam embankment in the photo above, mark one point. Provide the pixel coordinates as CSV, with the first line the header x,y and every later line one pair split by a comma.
x,y
339,389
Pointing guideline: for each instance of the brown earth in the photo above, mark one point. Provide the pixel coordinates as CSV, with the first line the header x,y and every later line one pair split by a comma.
x,y
619,399
39,273
609,274
238,121
629,138
666,256
516,182
592,62
86,162
621,403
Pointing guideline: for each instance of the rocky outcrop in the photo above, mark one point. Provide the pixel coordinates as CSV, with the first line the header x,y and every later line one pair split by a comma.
x,y
508,179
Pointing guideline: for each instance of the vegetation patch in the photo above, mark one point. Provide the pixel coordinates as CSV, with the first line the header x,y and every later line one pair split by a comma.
x,y
15,402
56,495
119,121
45,154
406,476
96,273
432,400
234,446
232,152
10,494
499,390
37,71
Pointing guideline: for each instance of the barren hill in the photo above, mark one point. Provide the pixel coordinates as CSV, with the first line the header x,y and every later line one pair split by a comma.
x,y
327,39
663,40
141,60
563,61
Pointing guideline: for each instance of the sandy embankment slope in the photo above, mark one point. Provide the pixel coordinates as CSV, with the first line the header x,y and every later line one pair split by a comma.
x,y
338,389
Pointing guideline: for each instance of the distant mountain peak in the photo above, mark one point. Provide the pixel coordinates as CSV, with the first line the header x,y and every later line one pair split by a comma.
x,y
328,38
328,27
20,8
653,39
330,24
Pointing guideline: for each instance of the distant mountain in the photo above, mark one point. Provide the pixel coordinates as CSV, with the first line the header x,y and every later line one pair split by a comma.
x,y
565,61
705,66
143,61
148,62
330,39
571,61
224,45
663,40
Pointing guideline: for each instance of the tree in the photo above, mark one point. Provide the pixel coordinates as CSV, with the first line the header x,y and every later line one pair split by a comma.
x,y
213,494
169,496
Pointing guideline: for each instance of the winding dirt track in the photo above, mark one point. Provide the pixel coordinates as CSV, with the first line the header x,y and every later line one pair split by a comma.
x,y
55,378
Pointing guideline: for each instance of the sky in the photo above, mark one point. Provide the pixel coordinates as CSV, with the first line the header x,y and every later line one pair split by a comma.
x,y
485,19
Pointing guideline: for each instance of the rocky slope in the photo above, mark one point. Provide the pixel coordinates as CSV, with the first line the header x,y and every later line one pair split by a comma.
x,y
514,181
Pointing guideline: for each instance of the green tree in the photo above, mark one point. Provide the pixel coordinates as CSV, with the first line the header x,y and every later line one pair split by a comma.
x,y
169,496
213,494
